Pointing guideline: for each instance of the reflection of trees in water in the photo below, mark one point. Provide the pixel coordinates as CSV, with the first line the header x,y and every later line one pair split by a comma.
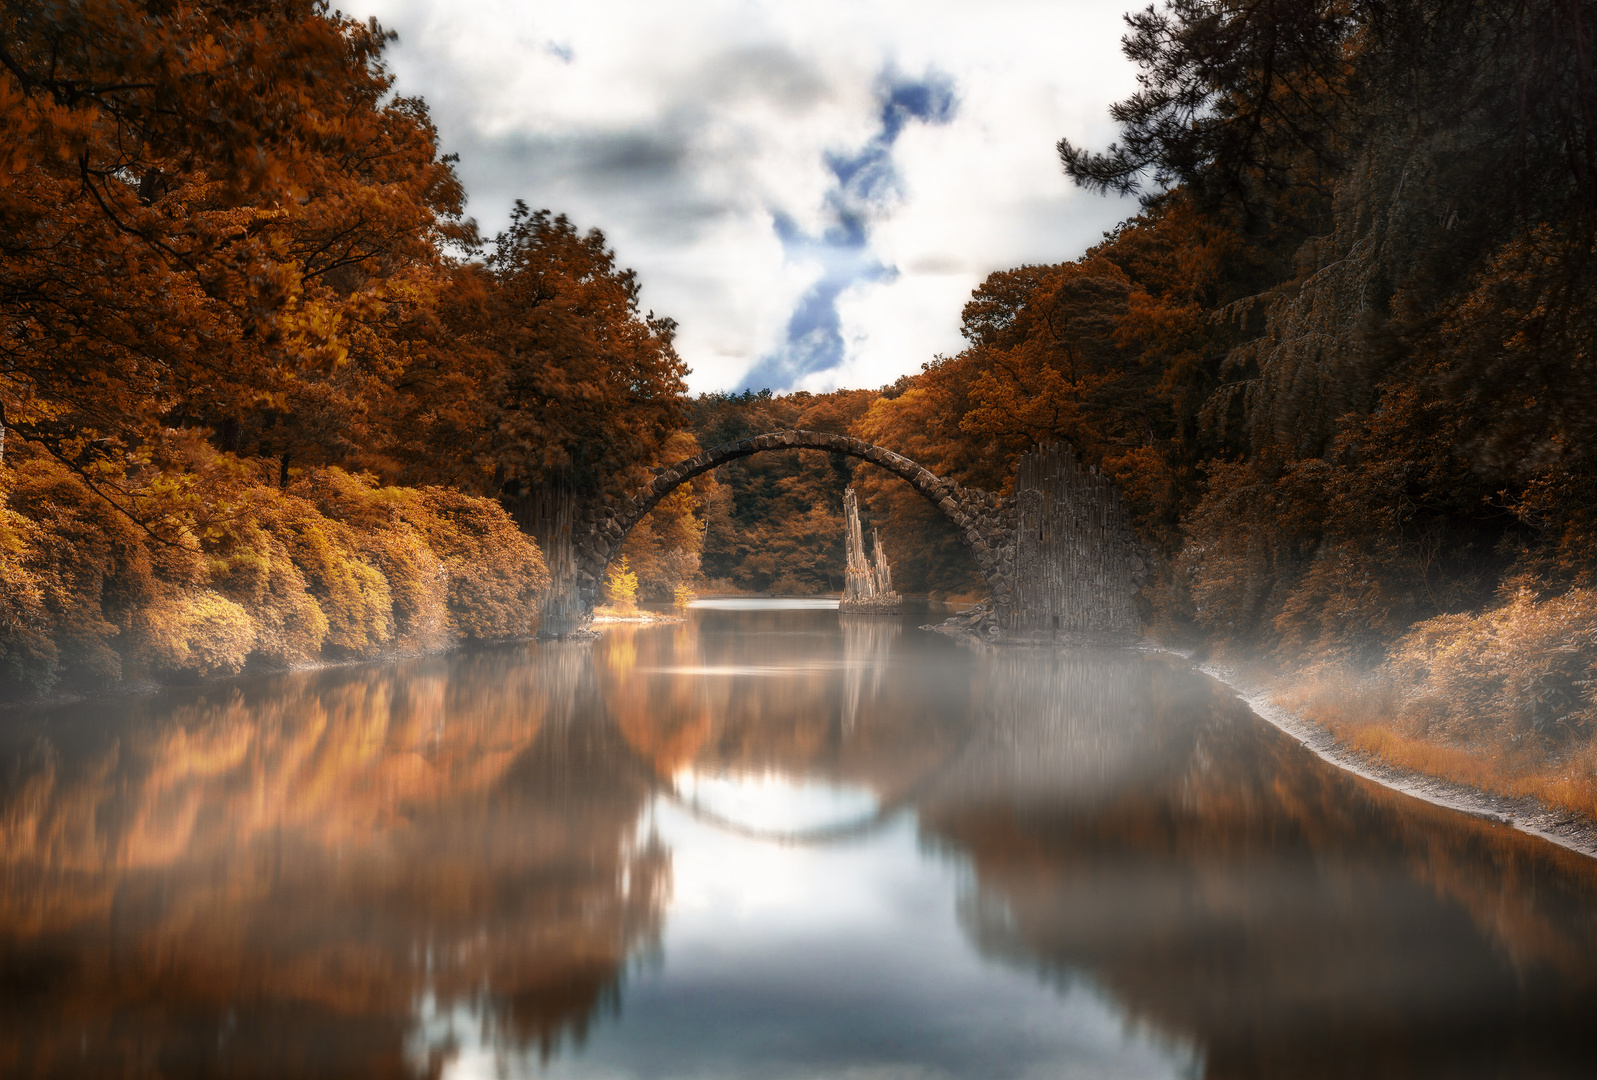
x,y
269,879
1063,726
1231,889
266,878
798,704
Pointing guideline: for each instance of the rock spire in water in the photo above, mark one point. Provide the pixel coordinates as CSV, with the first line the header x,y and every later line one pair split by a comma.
x,y
867,583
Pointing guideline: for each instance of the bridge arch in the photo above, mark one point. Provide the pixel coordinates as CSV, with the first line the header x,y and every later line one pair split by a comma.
x,y
979,515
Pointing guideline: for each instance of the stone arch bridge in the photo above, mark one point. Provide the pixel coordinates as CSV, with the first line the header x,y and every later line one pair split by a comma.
x,y
1058,557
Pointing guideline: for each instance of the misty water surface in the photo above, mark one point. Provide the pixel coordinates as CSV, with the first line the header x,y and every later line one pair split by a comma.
x,y
766,842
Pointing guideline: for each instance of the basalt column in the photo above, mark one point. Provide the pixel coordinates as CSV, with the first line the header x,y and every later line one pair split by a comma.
x,y
549,513
1077,564
867,583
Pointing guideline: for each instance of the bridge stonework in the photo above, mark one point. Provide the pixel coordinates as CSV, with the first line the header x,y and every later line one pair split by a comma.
x,y
987,522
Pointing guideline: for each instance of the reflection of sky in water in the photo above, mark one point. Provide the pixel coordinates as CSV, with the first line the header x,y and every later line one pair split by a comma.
x,y
773,801
891,857
841,960
766,603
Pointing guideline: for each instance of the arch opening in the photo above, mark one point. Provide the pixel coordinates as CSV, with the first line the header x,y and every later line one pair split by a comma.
x,y
1059,559
979,516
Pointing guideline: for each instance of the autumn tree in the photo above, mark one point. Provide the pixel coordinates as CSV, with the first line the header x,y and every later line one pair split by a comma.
x,y
222,245
197,204
581,387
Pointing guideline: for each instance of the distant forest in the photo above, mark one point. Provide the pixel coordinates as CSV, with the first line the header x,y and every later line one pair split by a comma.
x,y
269,397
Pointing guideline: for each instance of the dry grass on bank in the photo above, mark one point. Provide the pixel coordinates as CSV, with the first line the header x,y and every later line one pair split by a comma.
x,y
1368,719
1504,701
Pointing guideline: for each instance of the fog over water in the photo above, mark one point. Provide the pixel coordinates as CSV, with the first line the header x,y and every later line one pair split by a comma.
x,y
765,841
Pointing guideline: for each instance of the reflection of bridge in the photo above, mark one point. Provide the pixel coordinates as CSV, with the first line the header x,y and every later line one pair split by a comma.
x,y
1021,726
1070,730
1058,557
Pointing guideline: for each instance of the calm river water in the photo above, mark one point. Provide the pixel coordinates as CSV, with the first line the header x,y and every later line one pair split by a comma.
x,y
767,842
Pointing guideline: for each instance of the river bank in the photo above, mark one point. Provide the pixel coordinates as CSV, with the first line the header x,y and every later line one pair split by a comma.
x,y
1563,826
1526,813
638,617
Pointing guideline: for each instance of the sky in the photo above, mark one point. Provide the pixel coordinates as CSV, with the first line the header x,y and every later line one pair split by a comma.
x,y
810,188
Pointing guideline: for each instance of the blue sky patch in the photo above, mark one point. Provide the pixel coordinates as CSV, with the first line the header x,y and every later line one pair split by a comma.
x,y
866,188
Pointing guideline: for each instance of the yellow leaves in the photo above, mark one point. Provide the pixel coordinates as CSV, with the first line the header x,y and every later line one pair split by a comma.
x,y
196,632
338,567
351,591
495,572
621,586
1526,667
311,334
261,575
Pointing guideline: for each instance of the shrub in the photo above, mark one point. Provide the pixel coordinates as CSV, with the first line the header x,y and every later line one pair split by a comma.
x,y
419,585
380,528
92,568
621,586
351,592
195,633
495,572
1525,668
337,566
28,655
260,575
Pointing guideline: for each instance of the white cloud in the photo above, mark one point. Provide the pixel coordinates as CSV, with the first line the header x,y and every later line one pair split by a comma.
x,y
684,130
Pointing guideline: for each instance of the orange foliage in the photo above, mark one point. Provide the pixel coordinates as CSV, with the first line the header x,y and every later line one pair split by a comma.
x,y
222,278
335,566
773,521
212,197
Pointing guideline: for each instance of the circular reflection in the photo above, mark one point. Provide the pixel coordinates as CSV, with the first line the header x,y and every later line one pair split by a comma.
x,y
777,806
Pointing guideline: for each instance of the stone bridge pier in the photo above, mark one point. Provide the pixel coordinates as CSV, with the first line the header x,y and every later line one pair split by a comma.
x,y
1023,545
